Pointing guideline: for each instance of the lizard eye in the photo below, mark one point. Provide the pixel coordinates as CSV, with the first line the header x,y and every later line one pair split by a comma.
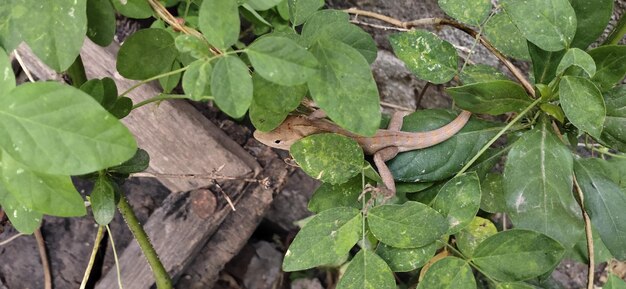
x,y
277,141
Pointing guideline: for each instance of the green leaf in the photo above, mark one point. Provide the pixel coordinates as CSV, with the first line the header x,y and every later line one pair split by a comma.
x,y
344,87
544,63
580,252
322,19
492,189
281,60
614,282
7,77
219,22
138,9
592,18
449,272
445,159
146,53
538,186
122,107
197,80
325,239
611,65
48,194
100,22
54,30
262,5
515,285
231,85
138,163
301,10
550,25
604,202
409,225
554,111
102,200
329,157
493,97
613,133
328,196
517,255
426,55
367,270
582,103
459,201
103,91
272,103
192,45
472,12
406,259
170,82
504,35
480,73
468,239
577,57
22,218
57,129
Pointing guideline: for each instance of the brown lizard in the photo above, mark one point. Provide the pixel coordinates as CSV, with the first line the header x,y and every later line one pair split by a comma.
x,y
384,145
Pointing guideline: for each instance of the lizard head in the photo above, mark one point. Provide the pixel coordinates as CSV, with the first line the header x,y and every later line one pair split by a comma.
x,y
290,131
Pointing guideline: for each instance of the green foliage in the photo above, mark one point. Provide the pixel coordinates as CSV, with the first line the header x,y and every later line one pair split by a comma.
x,y
102,200
459,200
231,86
492,97
219,21
146,53
582,103
367,270
449,272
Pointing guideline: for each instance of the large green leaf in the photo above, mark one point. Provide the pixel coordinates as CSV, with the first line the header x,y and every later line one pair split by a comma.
x,y
57,129
611,65
138,9
468,239
550,25
325,240
504,35
493,97
219,22
426,55
367,270
320,19
48,194
22,218
577,57
406,259
328,196
449,272
301,10
472,12
544,63
344,87
459,201
102,199
100,22
538,186
54,30
272,103
591,20
7,77
582,103
231,85
613,133
517,255
281,60
197,80
146,53
193,45
605,203
329,157
480,73
445,159
409,225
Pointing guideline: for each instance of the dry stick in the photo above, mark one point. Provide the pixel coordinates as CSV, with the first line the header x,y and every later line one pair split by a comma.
x,y
41,245
441,21
264,181
10,239
588,234
92,258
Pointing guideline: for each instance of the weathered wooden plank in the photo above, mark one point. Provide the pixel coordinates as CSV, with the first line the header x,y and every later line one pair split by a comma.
x,y
178,138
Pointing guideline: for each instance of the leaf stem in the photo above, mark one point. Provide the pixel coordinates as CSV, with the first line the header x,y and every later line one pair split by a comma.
x,y
588,235
617,33
138,84
92,258
159,97
161,276
506,128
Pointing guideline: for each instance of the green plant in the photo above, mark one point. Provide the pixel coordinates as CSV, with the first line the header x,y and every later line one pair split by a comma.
x,y
50,131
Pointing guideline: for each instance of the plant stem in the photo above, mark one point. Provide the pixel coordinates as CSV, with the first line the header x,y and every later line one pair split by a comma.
x,y
161,276
486,146
153,78
618,32
588,234
159,97
92,258
41,245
